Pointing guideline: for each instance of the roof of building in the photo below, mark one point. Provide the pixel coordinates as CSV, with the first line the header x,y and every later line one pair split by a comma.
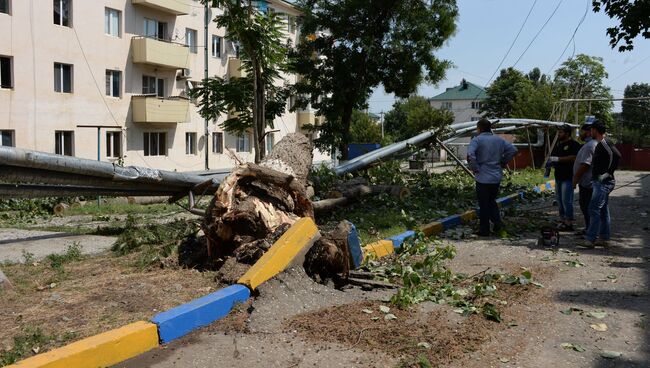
x,y
464,91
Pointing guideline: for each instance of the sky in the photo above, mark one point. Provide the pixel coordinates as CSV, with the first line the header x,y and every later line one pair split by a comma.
x,y
486,28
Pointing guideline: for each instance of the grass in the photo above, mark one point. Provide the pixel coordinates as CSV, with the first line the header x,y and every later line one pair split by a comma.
x,y
28,341
433,196
120,208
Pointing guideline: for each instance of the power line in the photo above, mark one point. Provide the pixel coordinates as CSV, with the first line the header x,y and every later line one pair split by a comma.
x,y
538,32
634,66
510,48
572,39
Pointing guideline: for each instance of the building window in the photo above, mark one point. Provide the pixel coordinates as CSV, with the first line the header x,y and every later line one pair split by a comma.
x,y
446,105
291,20
7,138
113,144
190,143
244,142
62,15
155,144
190,40
216,46
474,118
113,83
155,29
4,6
64,143
112,21
292,102
217,142
476,105
5,72
270,142
153,85
63,78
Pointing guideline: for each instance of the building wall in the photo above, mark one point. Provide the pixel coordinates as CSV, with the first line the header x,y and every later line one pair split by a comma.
x,y
462,109
34,111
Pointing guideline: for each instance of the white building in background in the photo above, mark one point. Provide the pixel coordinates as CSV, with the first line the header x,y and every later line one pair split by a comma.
x,y
464,101
125,65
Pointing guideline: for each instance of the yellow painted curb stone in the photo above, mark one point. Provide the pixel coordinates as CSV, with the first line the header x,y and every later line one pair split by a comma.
x,y
282,253
379,249
103,350
468,216
432,228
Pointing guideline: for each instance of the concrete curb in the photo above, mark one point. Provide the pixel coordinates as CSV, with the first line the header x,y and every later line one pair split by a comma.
x,y
181,320
105,349
439,226
301,234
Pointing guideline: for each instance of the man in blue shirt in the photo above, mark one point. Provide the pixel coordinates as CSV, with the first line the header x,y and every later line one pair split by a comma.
x,y
487,155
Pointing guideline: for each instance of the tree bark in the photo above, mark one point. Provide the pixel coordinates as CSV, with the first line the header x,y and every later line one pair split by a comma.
x,y
255,200
343,197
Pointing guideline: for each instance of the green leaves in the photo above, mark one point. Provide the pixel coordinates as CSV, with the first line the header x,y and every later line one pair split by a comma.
x,y
491,313
573,346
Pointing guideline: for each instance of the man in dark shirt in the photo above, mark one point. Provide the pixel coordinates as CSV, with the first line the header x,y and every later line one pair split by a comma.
x,y
604,163
562,158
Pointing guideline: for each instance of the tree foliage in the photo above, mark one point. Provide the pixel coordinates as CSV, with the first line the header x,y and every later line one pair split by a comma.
x,y
363,129
412,116
634,20
635,117
514,94
352,46
254,100
584,77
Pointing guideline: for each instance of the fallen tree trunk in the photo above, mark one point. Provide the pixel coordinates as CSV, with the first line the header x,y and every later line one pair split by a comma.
x,y
256,200
348,195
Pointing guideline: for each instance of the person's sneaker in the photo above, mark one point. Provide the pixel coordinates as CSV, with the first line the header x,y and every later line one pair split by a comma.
x,y
587,244
603,243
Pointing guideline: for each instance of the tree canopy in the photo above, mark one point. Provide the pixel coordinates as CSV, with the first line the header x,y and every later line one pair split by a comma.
x,y
352,46
364,129
514,94
635,117
412,116
633,17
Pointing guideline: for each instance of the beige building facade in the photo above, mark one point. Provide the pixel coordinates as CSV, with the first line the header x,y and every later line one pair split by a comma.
x,y
68,66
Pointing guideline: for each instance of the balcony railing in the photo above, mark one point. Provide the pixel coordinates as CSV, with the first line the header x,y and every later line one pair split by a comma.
x,y
176,7
154,109
161,53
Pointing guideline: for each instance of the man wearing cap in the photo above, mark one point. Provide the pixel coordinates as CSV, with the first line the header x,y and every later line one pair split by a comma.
x,y
487,155
582,172
604,163
562,158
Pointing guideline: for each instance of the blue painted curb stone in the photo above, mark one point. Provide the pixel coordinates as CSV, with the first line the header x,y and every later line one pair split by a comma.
x,y
354,244
185,318
451,221
398,240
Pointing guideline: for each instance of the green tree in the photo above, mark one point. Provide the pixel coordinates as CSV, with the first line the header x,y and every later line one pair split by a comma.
x,y
503,93
353,46
635,117
633,17
363,129
253,101
414,115
584,77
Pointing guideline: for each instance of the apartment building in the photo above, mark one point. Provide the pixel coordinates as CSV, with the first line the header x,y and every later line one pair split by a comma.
x,y
68,67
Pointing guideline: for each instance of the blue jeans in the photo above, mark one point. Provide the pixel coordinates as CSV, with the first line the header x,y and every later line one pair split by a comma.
x,y
599,221
564,194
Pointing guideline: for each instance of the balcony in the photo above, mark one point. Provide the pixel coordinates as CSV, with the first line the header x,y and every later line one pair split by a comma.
x,y
306,117
160,53
234,70
153,109
176,7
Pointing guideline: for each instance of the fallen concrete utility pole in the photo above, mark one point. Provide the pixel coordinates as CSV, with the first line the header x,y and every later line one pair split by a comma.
x,y
30,174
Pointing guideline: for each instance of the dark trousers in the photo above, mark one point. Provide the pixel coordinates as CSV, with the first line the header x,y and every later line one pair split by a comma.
x,y
584,198
488,209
